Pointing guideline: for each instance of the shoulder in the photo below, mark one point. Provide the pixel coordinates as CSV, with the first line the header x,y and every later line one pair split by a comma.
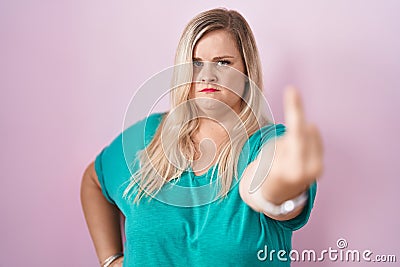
x,y
153,120
144,129
259,138
136,136
267,132
148,123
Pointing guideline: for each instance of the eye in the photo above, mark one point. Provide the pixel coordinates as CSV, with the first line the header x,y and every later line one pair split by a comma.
x,y
223,62
197,63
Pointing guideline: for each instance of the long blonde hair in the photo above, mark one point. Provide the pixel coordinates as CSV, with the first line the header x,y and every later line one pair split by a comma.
x,y
176,142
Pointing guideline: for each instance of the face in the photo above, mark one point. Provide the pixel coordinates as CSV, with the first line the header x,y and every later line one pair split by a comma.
x,y
218,73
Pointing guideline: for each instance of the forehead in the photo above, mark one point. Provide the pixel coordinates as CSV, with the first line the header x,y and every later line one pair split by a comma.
x,y
216,43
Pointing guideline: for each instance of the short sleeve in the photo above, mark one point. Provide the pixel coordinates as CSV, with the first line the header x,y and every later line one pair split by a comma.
x,y
98,166
300,220
262,136
113,165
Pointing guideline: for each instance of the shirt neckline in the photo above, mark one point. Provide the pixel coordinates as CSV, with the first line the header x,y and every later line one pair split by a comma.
x,y
204,175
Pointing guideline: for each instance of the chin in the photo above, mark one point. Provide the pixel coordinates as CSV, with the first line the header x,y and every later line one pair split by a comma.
x,y
214,109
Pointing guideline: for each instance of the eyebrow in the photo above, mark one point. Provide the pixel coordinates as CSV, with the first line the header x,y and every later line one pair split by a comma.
x,y
214,59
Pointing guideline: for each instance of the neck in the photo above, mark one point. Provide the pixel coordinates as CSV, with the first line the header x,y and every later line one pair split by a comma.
x,y
210,128
215,123
208,138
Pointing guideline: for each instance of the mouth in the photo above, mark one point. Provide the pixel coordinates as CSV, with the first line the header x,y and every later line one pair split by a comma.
x,y
209,90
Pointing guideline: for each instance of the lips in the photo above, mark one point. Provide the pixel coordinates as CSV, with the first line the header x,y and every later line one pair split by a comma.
x,y
209,90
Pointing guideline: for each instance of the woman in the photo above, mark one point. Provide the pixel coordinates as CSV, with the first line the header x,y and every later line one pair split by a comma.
x,y
216,137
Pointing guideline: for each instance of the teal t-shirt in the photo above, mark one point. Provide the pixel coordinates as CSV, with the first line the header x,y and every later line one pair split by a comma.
x,y
220,233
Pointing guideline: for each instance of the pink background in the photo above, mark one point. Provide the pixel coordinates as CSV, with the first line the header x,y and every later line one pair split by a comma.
x,y
69,69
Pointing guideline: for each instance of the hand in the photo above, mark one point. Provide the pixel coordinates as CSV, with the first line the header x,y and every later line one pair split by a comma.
x,y
299,152
118,262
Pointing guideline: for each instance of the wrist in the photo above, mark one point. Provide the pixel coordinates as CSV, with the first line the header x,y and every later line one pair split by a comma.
x,y
107,262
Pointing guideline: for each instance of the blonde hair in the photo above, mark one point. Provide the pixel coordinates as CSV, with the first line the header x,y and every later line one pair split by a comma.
x,y
176,143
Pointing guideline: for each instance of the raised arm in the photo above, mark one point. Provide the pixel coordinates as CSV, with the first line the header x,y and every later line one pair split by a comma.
x,y
102,217
297,163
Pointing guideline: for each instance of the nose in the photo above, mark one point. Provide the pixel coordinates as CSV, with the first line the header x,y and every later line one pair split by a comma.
x,y
207,73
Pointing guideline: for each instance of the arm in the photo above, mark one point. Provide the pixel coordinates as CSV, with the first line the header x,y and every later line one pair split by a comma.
x,y
102,217
297,162
273,190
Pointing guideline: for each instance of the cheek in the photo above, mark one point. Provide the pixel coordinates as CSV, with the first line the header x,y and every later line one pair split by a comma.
x,y
235,83
195,76
192,91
